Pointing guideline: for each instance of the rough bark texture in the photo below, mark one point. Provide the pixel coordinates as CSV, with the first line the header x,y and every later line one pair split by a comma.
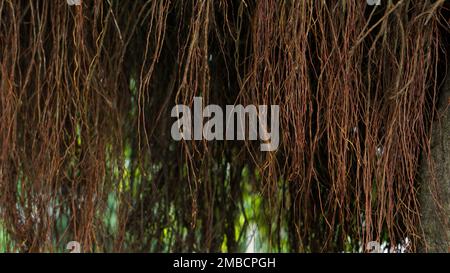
x,y
435,193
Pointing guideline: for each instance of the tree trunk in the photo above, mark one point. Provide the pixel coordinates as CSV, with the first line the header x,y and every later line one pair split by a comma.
x,y
435,190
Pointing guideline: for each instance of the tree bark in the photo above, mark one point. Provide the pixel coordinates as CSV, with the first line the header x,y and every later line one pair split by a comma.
x,y
435,190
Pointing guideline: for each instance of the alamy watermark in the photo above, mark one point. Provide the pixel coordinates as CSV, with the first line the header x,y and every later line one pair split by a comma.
x,y
74,2
230,124
376,247
373,2
74,247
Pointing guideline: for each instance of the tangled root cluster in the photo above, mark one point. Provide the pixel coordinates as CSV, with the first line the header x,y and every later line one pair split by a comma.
x,y
85,146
